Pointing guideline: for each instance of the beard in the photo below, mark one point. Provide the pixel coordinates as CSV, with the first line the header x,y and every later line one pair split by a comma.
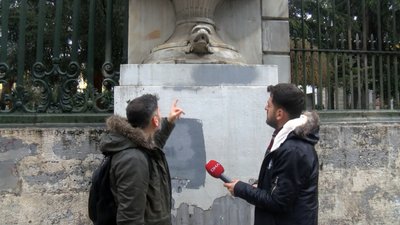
x,y
271,121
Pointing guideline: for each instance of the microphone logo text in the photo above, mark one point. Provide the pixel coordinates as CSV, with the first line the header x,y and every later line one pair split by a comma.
x,y
214,167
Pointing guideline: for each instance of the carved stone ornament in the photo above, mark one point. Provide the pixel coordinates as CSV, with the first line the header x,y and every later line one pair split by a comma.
x,y
195,39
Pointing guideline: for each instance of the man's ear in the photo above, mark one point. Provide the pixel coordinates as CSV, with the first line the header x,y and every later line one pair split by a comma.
x,y
155,121
281,115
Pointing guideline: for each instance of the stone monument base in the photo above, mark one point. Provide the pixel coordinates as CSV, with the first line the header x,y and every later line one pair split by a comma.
x,y
224,120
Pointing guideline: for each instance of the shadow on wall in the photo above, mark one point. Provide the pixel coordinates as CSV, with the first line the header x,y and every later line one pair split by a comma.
x,y
186,155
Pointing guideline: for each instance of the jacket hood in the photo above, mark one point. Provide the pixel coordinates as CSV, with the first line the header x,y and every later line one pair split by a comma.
x,y
121,135
305,127
310,129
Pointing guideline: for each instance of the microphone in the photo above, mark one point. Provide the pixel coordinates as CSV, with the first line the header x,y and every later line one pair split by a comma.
x,y
216,170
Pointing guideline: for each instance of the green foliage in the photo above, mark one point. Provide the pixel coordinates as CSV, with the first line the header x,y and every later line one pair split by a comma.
x,y
31,33
325,20
347,44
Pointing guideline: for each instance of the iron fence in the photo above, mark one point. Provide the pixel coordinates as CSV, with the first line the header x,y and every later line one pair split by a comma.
x,y
61,56
344,53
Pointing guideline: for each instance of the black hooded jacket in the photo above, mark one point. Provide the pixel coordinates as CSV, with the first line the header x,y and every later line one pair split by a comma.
x,y
139,174
287,190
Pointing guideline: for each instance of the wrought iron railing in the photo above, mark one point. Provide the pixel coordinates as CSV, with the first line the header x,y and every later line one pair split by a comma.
x,y
345,53
61,56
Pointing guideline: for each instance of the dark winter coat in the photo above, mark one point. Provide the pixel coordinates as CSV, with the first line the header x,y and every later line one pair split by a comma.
x,y
140,183
287,191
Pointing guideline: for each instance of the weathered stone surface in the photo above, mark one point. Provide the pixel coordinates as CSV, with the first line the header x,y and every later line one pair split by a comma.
x,y
359,177
43,183
282,61
275,36
75,144
226,210
275,8
44,209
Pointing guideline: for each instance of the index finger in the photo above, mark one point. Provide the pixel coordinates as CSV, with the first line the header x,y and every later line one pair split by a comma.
x,y
175,102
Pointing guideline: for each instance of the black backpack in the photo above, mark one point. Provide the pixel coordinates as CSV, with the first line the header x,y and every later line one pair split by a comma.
x,y
102,208
101,205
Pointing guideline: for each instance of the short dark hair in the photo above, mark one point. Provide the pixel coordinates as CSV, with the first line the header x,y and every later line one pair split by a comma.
x,y
289,97
140,110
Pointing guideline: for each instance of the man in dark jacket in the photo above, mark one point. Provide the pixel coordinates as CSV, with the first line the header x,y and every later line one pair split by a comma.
x,y
139,174
287,188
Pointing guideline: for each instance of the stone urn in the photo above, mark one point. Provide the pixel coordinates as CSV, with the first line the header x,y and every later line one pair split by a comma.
x,y
195,39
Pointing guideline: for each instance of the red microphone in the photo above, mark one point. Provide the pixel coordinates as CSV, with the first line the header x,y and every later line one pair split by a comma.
x,y
216,170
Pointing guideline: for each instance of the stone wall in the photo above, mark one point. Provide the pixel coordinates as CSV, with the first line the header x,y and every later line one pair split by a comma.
x,y
45,175
359,173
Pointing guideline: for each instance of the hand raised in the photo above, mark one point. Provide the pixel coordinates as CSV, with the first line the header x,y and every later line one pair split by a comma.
x,y
175,112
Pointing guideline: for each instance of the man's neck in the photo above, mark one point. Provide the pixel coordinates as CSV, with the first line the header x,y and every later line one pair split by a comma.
x,y
281,123
148,132
276,131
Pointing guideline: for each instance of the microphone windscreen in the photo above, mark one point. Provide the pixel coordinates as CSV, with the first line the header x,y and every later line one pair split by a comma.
x,y
214,168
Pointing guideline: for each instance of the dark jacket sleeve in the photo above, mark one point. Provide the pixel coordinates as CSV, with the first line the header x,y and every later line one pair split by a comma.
x,y
289,169
162,135
131,171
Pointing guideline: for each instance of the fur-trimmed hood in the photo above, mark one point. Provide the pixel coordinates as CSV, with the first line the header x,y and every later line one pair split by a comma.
x,y
305,127
310,128
121,135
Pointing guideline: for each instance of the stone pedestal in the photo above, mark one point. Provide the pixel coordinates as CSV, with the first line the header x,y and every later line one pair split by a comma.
x,y
195,39
224,120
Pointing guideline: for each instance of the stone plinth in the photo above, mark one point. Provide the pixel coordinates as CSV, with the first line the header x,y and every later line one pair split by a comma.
x,y
224,120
